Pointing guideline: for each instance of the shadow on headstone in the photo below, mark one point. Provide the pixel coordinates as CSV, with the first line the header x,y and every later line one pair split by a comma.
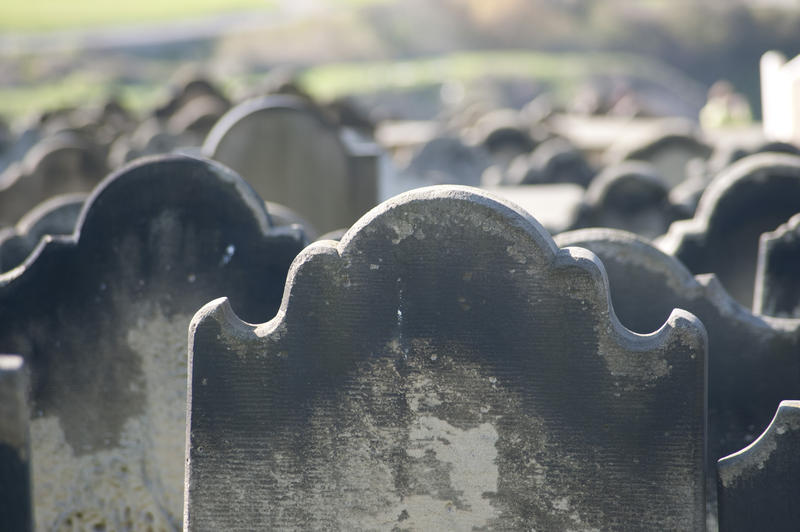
x,y
444,367
777,289
753,196
758,486
101,317
55,216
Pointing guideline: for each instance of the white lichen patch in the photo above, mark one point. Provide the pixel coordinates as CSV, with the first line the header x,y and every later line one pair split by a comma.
x,y
137,485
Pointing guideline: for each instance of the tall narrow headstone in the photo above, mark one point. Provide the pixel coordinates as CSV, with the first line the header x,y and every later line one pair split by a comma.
x,y
758,486
292,155
444,367
777,290
55,216
101,317
754,195
15,487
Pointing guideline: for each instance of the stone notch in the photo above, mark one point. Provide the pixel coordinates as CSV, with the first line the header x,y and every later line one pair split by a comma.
x,y
754,195
444,367
15,486
290,153
630,195
101,317
777,290
753,360
758,487
54,216
55,165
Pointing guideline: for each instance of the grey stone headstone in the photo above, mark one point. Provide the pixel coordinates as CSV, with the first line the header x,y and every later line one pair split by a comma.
x,y
292,155
630,196
55,165
444,367
553,161
448,160
753,361
101,317
15,486
753,196
777,289
669,151
55,216
758,486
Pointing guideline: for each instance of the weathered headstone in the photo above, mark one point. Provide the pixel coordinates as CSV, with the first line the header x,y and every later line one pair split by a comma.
x,y
444,367
55,165
101,317
555,206
630,196
777,289
448,160
15,486
668,150
758,486
55,216
290,154
753,361
553,161
754,195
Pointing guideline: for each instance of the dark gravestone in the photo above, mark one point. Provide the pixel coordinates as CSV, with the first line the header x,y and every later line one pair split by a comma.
x,y
55,216
282,215
754,195
55,165
292,155
15,486
444,367
669,151
101,317
753,361
777,290
758,486
630,196
553,161
151,137
448,160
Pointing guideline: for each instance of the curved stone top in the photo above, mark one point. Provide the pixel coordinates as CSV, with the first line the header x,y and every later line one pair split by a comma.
x,y
444,366
753,360
55,165
601,190
54,216
754,195
777,289
101,317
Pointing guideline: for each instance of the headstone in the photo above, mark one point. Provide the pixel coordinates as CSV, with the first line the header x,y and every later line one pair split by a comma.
x,y
282,215
289,153
758,487
754,195
668,150
101,317
553,161
448,160
444,367
15,486
555,206
777,289
630,196
55,216
149,138
753,360
56,165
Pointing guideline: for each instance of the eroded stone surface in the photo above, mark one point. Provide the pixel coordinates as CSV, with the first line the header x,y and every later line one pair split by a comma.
x,y
444,367
102,317
758,486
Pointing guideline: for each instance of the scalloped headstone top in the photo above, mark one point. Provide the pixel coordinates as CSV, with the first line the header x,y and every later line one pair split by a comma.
x,y
444,367
101,318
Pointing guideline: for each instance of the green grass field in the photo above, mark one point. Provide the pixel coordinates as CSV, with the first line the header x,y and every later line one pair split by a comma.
x,y
42,15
